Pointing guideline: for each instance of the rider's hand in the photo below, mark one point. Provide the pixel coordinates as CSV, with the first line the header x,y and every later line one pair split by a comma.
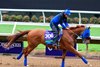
x,y
67,28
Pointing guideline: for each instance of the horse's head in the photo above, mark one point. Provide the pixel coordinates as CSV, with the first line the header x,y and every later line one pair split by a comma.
x,y
85,35
83,32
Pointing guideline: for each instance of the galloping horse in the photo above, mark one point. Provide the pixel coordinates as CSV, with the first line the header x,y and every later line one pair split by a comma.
x,y
68,39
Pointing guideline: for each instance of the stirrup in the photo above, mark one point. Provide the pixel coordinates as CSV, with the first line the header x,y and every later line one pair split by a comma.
x,y
56,47
58,43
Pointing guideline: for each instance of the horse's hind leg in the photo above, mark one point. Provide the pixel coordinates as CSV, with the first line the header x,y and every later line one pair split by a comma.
x,y
63,58
27,50
20,55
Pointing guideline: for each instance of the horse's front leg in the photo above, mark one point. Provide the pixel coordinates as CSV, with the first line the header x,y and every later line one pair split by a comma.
x,y
86,50
72,49
63,58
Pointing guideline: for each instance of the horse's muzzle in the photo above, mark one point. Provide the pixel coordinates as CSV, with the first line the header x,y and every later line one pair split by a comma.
x,y
87,40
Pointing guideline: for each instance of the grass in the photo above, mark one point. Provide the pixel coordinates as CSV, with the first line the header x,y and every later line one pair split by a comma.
x,y
40,46
8,29
92,47
95,31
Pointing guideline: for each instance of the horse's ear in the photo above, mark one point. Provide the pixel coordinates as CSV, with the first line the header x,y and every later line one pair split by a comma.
x,y
72,27
78,26
88,27
82,26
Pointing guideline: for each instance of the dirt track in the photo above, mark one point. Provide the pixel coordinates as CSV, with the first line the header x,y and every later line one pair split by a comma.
x,y
8,61
38,59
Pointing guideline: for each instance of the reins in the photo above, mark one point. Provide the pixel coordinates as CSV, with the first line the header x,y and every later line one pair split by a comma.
x,y
73,32
83,33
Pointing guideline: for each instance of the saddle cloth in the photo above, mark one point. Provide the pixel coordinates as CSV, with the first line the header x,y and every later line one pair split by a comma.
x,y
49,37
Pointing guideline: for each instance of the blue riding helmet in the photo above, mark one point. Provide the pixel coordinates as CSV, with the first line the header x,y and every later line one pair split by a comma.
x,y
67,12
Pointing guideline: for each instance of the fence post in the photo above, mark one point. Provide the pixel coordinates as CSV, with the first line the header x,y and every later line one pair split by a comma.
x,y
43,17
1,16
14,28
80,18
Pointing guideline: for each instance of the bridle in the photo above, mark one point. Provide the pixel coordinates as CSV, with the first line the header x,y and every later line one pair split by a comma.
x,y
84,34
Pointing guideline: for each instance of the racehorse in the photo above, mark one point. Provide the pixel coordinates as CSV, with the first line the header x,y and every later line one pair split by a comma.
x,y
37,36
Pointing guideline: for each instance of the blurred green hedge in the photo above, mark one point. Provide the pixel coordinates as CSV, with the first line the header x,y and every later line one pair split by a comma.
x,y
34,18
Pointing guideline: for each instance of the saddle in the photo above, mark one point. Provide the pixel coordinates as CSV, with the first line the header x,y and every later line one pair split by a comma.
x,y
49,37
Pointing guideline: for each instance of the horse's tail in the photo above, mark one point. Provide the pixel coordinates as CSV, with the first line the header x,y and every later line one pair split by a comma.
x,y
13,38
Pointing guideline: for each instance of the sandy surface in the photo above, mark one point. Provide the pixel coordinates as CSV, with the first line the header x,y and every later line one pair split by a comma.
x,y
8,61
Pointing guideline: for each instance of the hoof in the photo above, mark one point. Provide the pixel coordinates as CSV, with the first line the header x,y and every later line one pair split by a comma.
x,y
0,63
89,65
15,58
26,66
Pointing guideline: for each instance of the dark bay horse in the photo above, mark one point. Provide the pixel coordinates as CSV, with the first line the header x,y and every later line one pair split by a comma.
x,y
36,36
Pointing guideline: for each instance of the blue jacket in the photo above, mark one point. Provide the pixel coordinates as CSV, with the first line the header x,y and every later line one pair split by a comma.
x,y
60,19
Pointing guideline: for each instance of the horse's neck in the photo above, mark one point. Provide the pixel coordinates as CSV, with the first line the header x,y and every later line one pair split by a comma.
x,y
77,32
74,32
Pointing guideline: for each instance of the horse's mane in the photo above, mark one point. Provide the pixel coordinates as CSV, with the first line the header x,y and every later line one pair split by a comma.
x,y
78,26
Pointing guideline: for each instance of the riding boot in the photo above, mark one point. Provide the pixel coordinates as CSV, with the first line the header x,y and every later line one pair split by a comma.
x,y
59,38
58,44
